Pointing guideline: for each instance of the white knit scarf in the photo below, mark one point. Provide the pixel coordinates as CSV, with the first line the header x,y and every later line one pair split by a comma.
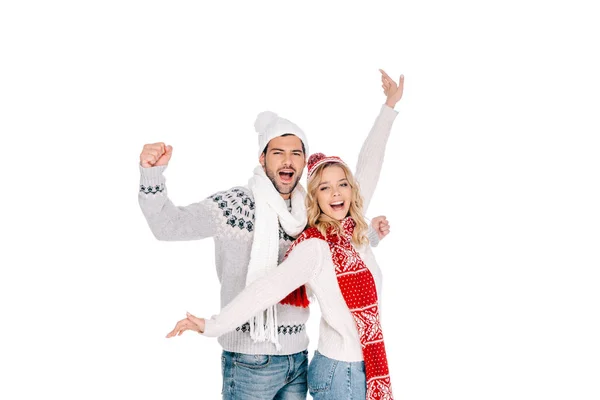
x,y
270,211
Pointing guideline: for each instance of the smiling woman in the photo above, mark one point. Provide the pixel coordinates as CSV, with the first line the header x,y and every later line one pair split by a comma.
x,y
334,192
333,195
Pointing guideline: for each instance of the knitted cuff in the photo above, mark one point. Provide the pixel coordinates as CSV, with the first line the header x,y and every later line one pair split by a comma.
x,y
388,113
372,235
152,180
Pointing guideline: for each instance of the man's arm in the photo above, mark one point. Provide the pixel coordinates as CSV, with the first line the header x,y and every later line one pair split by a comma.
x,y
167,221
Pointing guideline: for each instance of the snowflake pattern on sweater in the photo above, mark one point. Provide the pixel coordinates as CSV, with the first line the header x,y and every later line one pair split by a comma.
x,y
237,207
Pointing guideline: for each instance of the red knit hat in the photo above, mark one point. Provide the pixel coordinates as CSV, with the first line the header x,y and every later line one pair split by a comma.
x,y
319,159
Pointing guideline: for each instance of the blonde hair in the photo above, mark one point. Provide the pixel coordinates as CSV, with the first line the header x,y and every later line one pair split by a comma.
x,y
321,221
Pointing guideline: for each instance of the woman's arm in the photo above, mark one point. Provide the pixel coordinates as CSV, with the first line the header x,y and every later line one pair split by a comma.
x,y
302,264
370,159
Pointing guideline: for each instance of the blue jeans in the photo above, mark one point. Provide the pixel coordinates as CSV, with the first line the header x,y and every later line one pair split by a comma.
x,y
336,380
264,377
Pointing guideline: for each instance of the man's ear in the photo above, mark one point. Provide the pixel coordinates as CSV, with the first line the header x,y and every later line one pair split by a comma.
x,y
261,159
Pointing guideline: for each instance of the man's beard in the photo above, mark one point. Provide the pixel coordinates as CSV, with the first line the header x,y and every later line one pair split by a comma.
x,y
280,189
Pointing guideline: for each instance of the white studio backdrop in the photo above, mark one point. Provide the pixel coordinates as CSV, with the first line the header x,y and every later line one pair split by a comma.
x,y
490,183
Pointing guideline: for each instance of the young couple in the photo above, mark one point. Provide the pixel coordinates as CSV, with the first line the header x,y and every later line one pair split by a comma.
x,y
278,245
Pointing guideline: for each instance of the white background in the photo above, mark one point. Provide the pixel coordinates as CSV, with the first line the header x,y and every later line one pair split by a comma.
x,y
491,184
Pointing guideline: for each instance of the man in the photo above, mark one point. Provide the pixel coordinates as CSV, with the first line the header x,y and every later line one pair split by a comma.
x,y
252,227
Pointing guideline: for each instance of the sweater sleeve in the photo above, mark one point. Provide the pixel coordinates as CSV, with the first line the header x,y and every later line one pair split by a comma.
x,y
303,263
170,222
372,235
370,158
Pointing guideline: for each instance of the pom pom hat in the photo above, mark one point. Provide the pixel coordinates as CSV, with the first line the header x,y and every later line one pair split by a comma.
x,y
319,159
269,125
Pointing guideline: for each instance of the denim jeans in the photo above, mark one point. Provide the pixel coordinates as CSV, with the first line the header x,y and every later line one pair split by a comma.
x,y
336,380
264,377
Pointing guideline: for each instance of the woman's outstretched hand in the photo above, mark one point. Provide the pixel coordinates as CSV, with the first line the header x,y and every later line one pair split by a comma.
x,y
191,323
392,90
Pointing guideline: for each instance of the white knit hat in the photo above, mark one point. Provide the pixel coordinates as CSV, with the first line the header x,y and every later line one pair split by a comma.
x,y
269,125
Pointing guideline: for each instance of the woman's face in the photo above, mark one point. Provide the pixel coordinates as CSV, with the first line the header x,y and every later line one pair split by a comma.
x,y
334,193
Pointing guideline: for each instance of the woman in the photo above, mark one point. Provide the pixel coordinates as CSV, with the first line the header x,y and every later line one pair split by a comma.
x,y
333,260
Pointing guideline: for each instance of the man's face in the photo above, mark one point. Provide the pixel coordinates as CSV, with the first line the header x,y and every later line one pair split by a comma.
x,y
283,163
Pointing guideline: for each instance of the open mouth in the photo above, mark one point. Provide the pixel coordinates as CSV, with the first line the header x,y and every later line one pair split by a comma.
x,y
337,206
286,176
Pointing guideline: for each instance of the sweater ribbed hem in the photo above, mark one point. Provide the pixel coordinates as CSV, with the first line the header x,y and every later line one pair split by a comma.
x,y
293,341
240,342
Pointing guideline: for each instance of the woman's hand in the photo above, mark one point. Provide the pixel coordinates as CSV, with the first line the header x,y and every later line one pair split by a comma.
x,y
392,90
191,323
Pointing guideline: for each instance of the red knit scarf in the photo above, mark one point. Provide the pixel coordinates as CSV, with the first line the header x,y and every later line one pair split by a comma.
x,y
358,289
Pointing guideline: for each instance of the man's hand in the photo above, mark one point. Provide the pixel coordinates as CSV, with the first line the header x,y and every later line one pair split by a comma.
x,y
381,226
191,323
155,155
392,91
